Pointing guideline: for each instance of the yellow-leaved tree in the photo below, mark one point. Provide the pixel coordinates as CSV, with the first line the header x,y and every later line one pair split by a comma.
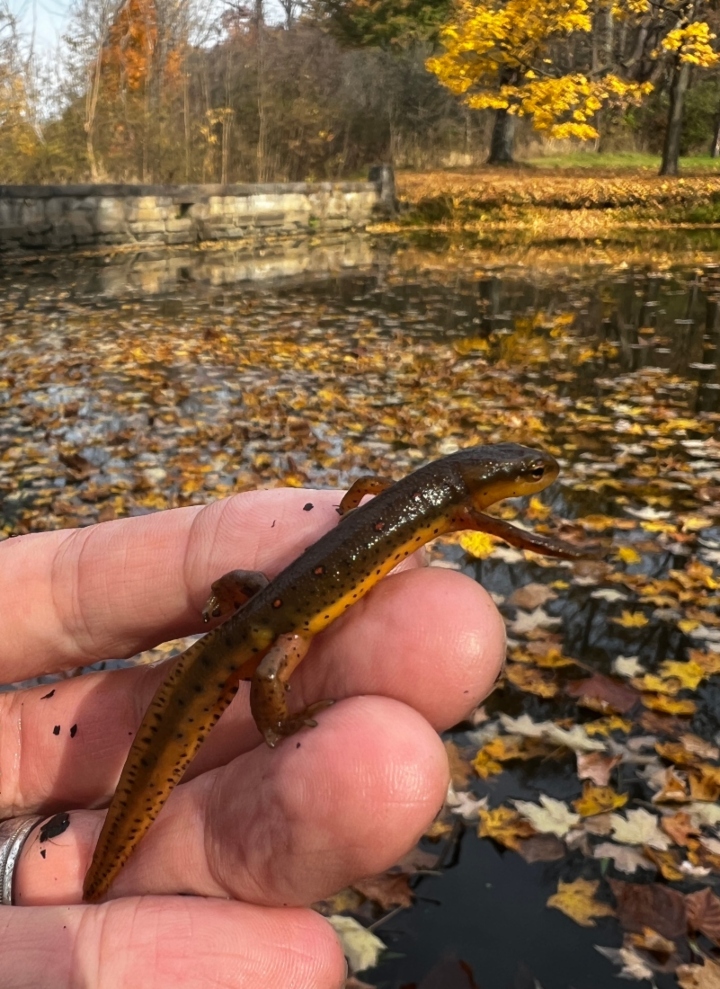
x,y
520,58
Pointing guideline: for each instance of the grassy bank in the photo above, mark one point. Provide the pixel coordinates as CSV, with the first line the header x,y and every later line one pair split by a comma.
x,y
568,201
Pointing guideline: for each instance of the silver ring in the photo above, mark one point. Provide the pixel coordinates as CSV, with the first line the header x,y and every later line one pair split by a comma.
x,y
13,834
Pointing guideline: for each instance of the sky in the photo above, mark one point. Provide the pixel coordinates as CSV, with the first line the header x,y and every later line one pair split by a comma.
x,y
46,19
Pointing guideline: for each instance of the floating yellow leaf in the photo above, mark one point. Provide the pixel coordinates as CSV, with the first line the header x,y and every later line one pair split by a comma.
x,y
688,625
603,726
577,901
689,673
631,619
530,680
598,800
505,826
629,555
668,705
478,544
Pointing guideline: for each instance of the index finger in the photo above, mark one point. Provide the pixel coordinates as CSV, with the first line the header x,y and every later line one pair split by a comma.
x,y
74,597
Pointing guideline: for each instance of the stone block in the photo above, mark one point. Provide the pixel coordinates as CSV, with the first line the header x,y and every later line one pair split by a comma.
x,y
142,227
175,226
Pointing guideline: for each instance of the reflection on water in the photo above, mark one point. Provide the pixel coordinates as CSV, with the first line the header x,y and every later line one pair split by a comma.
x,y
152,381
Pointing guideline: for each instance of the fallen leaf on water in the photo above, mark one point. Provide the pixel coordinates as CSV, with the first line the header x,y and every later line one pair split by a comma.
x,y
552,817
703,913
576,738
680,827
639,828
505,826
531,596
577,901
602,693
705,976
598,800
650,905
361,947
668,705
632,965
596,766
530,680
478,544
668,863
389,890
628,666
541,848
528,621
459,767
631,619
651,941
623,857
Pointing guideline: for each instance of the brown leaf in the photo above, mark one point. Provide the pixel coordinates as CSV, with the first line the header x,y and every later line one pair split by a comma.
x,y
650,905
460,769
663,724
703,913
541,848
389,890
602,693
705,976
531,596
596,766
680,827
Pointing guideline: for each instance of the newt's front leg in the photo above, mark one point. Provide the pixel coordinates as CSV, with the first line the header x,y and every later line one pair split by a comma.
x,y
270,684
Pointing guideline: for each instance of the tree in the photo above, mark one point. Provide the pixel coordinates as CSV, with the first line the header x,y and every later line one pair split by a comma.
x,y
384,23
513,56
671,37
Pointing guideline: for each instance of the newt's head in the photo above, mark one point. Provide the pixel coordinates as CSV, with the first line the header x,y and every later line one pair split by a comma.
x,y
507,470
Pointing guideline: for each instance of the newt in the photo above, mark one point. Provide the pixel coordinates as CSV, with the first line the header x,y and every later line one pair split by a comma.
x,y
271,623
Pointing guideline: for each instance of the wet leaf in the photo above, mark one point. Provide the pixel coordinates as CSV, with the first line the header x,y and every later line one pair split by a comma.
x,y
598,800
652,906
577,901
639,827
361,947
505,826
388,890
550,817
596,766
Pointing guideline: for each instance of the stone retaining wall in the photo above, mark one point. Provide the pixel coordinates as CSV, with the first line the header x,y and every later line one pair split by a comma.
x,y
48,218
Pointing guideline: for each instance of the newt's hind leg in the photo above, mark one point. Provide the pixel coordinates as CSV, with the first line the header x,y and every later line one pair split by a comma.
x,y
232,591
270,684
358,489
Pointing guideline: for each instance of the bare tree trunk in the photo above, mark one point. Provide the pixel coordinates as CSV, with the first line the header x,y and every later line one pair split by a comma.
x,y
186,122
671,148
91,101
502,140
262,116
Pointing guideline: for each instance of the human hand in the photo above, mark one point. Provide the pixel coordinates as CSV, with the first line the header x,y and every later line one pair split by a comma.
x,y
274,830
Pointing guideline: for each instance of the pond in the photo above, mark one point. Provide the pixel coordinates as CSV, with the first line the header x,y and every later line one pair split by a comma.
x,y
148,382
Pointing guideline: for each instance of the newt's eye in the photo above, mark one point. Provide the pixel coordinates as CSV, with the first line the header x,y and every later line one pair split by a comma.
x,y
537,474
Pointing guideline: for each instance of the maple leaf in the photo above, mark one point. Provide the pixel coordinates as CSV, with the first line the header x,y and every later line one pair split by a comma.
x,y
668,705
598,800
552,817
705,976
577,901
603,693
478,544
361,947
576,738
631,619
639,827
388,890
641,906
624,858
528,621
531,596
530,680
596,766
627,666
690,674
505,826
633,965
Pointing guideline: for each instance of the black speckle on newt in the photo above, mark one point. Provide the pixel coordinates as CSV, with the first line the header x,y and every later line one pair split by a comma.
x,y
269,635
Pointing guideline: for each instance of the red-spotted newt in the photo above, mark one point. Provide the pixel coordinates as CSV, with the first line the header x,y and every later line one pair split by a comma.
x,y
269,634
